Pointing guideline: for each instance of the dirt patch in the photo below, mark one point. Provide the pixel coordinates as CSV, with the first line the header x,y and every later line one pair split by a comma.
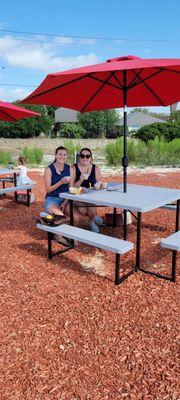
x,y
67,333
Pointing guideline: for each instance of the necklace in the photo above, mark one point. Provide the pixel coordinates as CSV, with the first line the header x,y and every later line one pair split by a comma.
x,y
59,169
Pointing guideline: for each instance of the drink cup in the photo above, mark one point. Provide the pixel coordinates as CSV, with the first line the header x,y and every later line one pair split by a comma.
x,y
86,176
97,185
104,185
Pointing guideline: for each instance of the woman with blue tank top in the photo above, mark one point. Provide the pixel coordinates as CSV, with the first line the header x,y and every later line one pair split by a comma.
x,y
84,173
56,179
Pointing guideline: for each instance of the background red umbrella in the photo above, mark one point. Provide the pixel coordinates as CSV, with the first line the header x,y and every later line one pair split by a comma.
x,y
9,112
119,82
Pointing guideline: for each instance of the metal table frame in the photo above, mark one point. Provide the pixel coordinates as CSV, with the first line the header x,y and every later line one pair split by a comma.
x,y
8,171
138,267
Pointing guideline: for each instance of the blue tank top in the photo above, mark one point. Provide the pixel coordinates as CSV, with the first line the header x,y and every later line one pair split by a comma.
x,y
55,177
91,179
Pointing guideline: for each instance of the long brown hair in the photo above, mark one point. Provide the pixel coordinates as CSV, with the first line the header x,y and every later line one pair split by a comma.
x,y
22,160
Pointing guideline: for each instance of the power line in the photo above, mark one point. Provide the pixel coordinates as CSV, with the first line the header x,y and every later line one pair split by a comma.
x,y
14,84
88,37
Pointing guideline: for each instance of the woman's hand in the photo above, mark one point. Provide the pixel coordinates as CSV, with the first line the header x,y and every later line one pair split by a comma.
x,y
65,180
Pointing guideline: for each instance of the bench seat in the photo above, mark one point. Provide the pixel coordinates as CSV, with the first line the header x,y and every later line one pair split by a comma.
x,y
172,242
97,240
16,189
91,238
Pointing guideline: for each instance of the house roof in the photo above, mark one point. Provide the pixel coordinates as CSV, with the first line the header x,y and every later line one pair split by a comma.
x,y
139,118
65,115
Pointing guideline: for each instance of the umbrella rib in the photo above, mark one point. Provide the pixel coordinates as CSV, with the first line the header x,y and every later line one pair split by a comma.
x,y
117,79
149,88
135,80
171,70
57,87
96,92
108,83
70,82
144,79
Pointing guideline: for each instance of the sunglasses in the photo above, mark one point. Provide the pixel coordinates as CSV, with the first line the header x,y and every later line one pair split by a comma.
x,y
85,156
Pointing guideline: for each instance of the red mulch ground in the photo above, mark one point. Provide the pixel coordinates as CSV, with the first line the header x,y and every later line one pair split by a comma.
x,y
67,332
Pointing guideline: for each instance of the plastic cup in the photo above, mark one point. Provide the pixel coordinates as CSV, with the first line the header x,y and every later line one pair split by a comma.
x,y
97,185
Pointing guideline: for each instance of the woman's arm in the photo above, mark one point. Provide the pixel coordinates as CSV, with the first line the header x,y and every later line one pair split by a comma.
x,y
73,177
98,174
47,181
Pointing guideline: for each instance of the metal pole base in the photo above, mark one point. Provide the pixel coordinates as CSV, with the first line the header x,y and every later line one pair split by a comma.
x,y
51,254
119,279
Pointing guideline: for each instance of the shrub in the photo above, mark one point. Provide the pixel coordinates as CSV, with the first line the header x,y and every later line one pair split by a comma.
x,y
113,152
155,152
168,130
115,133
71,148
33,155
71,131
5,157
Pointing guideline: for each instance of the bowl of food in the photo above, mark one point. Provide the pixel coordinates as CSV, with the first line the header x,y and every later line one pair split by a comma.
x,y
48,219
54,219
76,190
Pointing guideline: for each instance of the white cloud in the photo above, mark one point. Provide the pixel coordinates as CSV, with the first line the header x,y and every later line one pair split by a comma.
x,y
87,42
63,40
12,94
40,56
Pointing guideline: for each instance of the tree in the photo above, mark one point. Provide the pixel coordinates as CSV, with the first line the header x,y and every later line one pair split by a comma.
x,y
175,117
99,123
28,127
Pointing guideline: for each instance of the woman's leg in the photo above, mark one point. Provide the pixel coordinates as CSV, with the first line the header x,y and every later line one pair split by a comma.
x,y
78,212
91,212
54,209
53,205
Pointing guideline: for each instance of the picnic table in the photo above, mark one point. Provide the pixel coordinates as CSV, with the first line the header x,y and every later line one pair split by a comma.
x,y
138,199
9,171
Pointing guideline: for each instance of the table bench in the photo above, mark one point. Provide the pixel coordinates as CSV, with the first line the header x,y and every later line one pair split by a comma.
x,y
6,179
172,242
97,240
27,188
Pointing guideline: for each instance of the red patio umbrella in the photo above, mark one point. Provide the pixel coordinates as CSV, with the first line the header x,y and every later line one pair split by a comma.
x,y
9,112
118,82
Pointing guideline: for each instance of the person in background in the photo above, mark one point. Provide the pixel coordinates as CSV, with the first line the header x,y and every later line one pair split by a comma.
x,y
56,180
22,177
85,174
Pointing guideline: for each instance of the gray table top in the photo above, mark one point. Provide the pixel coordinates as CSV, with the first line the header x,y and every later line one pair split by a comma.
x,y
138,198
8,171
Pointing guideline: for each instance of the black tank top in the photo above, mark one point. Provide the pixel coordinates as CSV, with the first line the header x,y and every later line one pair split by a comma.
x,y
91,179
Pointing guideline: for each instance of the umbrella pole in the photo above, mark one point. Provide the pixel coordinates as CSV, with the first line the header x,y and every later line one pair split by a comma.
x,y
124,158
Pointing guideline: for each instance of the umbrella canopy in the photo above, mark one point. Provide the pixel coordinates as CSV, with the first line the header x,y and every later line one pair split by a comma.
x,y
9,112
118,82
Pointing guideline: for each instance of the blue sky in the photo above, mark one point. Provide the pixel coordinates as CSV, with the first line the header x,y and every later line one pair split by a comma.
x,y
79,34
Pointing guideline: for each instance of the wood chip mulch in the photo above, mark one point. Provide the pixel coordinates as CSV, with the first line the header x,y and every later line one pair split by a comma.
x,y
67,333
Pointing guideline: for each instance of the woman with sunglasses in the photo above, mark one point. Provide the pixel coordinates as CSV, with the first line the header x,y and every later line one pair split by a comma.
x,y
85,174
